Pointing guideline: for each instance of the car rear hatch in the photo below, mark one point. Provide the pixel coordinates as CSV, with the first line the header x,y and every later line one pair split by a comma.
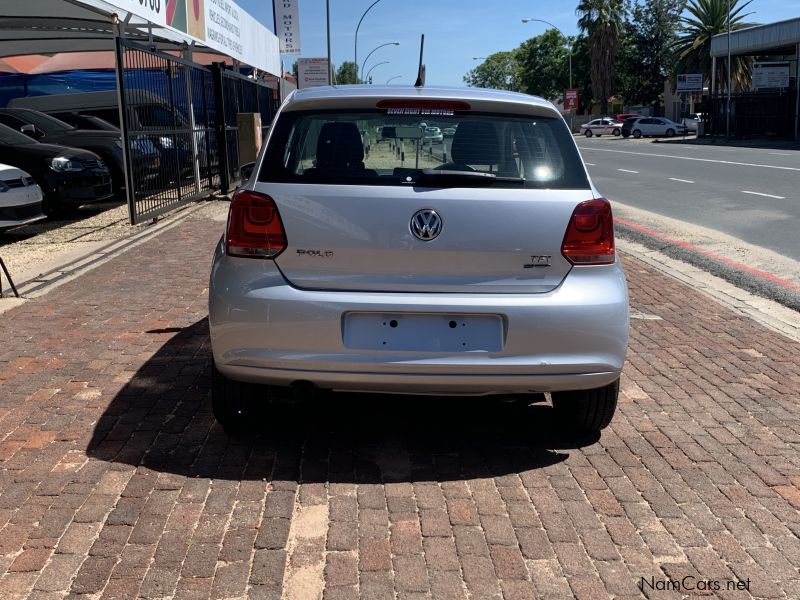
x,y
360,238
484,212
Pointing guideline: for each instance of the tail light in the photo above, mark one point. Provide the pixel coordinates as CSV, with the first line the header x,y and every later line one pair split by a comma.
x,y
589,239
255,229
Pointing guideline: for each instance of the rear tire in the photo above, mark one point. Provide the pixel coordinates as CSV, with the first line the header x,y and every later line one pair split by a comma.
x,y
588,133
236,405
637,133
615,133
586,410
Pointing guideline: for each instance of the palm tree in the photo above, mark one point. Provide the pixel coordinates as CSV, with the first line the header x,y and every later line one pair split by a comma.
x,y
705,19
601,21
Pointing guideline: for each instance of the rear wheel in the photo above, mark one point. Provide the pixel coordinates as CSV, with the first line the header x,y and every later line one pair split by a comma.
x,y
637,133
586,410
236,404
615,132
588,133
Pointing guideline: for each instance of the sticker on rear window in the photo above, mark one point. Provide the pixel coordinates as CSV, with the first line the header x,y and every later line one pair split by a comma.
x,y
439,112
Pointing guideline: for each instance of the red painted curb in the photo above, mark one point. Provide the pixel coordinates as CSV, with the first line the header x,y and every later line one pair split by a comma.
x,y
731,263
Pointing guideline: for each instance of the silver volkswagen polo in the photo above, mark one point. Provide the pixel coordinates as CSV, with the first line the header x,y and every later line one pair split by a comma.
x,y
360,257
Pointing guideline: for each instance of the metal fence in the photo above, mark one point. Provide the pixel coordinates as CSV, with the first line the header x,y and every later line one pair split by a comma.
x,y
236,94
752,114
167,114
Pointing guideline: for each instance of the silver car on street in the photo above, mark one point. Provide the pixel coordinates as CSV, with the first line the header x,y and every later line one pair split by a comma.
x,y
352,265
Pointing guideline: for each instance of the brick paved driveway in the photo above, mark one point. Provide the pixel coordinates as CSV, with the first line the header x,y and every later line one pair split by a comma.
x,y
116,482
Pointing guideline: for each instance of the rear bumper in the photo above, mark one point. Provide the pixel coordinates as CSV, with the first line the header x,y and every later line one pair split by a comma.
x,y
263,330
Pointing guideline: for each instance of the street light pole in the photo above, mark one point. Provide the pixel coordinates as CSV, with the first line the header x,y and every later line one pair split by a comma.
x,y
386,62
728,101
364,64
355,48
566,39
391,79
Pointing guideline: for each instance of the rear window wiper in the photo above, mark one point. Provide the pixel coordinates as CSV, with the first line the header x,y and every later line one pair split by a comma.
x,y
443,177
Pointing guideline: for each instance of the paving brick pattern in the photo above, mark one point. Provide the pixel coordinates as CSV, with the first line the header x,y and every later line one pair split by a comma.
x,y
116,482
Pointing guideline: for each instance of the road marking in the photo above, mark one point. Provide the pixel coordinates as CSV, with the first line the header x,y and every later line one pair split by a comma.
x,y
765,195
628,171
779,153
589,164
710,160
681,180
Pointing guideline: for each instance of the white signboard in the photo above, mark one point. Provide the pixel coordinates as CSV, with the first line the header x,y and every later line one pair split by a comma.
x,y
312,72
287,19
690,82
770,75
218,24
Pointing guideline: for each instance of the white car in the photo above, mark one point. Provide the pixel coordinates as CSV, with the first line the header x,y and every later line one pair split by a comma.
x,y
433,135
493,273
657,126
692,120
599,127
20,198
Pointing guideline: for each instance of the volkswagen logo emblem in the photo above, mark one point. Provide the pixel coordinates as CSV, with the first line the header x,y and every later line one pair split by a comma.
x,y
426,224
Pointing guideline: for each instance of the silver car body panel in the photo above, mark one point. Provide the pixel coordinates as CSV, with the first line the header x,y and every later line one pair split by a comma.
x,y
305,317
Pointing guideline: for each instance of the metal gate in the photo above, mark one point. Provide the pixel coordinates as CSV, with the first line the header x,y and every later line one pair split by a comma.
x,y
753,114
238,94
167,117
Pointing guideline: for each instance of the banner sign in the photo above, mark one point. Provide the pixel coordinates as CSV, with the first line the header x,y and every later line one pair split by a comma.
x,y
770,75
571,99
312,72
218,24
690,82
287,20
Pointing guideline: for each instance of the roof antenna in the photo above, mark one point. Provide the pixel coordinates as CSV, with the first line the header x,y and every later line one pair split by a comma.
x,y
421,71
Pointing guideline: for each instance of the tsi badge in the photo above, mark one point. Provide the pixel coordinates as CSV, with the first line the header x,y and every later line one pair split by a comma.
x,y
538,260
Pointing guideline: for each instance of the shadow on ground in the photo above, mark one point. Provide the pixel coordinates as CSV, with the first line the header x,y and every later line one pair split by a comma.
x,y
70,217
162,420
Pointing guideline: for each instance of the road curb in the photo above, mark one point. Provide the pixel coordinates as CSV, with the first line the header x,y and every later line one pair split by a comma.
x,y
694,272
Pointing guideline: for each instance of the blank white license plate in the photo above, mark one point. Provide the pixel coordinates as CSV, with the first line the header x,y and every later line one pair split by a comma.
x,y
423,332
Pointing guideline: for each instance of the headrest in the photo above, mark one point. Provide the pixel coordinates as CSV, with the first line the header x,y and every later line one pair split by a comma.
x,y
476,143
339,145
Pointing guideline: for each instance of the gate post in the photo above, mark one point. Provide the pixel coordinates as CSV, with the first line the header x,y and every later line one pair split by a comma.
x,y
219,117
119,52
192,125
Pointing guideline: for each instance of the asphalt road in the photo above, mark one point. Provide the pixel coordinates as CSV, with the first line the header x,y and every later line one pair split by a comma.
x,y
752,194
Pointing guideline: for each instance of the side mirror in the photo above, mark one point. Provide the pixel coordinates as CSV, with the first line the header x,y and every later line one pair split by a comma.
x,y
247,169
31,131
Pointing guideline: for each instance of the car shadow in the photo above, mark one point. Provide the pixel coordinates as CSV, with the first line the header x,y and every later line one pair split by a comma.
x,y
162,420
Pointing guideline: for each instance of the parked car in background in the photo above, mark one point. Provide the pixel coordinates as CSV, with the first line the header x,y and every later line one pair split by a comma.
x,y
148,114
20,198
449,131
602,126
692,121
49,130
621,117
656,126
68,177
433,135
495,272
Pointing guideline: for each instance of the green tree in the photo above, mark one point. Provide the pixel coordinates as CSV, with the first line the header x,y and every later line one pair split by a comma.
x,y
601,21
705,19
346,73
498,71
543,65
645,58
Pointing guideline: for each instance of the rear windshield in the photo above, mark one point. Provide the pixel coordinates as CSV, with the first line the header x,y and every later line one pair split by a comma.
x,y
379,148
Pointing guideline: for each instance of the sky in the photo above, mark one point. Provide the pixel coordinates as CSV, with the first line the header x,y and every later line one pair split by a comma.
x,y
456,31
